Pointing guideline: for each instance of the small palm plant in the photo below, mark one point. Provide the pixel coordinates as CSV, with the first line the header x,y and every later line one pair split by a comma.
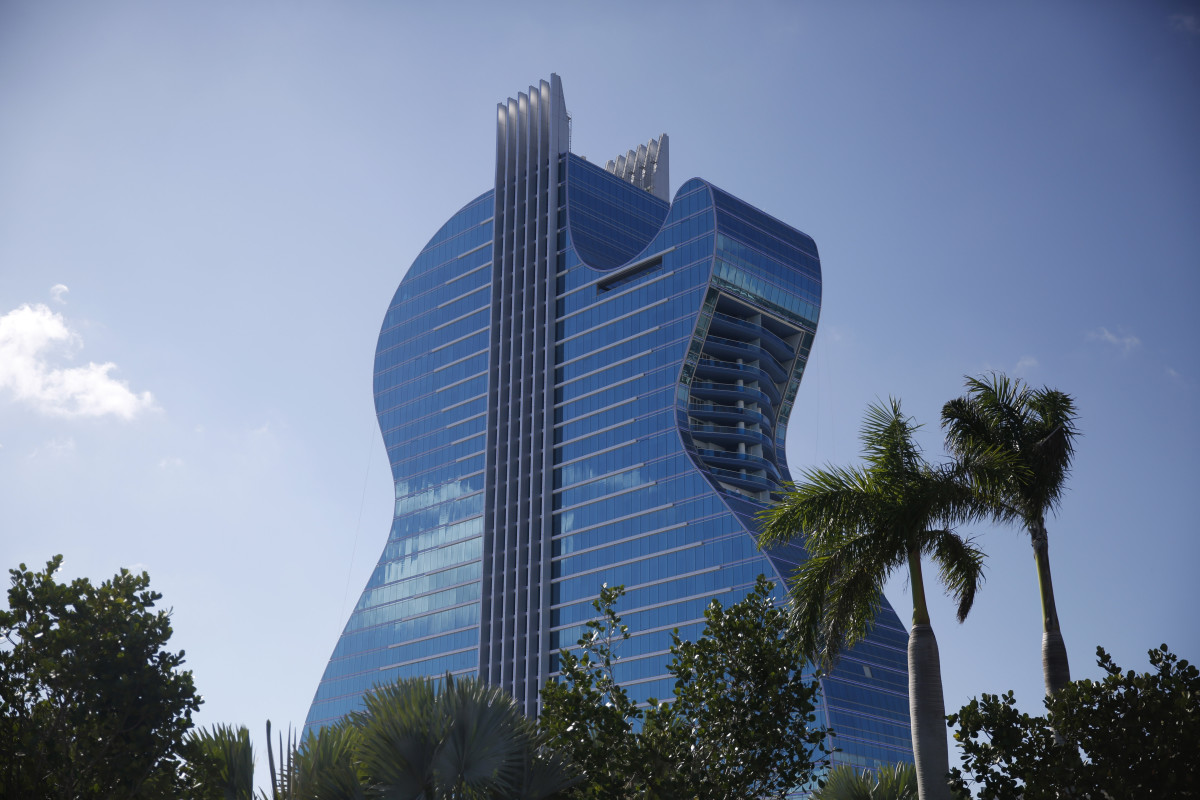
x,y
847,783
220,763
416,740
859,524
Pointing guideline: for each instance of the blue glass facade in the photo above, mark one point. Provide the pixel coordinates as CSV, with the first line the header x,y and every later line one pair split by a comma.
x,y
578,383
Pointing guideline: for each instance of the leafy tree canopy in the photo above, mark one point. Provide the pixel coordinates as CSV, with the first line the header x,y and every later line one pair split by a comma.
x,y
92,704
1127,735
740,725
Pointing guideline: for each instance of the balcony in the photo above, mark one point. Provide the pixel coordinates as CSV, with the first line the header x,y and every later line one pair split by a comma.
x,y
735,460
732,349
736,328
731,393
731,370
718,412
744,480
730,435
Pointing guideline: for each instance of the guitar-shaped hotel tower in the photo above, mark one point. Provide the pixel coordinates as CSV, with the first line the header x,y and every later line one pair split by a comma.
x,y
579,382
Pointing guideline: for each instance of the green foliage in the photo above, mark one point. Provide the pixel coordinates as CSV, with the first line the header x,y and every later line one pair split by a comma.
x,y
92,705
1127,735
219,764
741,723
847,783
589,716
416,741
325,767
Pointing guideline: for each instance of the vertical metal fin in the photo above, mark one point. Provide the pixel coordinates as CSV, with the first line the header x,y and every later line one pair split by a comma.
x,y
532,133
648,167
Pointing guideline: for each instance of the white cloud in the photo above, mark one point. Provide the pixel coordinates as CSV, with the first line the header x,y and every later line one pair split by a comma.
x,y
27,336
59,447
57,291
1185,23
1124,342
1173,373
1025,363
171,462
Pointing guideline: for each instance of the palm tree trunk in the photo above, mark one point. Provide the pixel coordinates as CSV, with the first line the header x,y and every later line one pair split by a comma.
x,y
1056,672
926,705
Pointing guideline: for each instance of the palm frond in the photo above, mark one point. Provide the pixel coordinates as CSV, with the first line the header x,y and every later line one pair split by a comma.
x,y
835,498
836,592
229,758
484,738
1051,453
324,766
960,566
887,438
401,734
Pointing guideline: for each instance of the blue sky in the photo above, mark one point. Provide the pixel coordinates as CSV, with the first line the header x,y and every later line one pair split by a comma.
x,y
205,209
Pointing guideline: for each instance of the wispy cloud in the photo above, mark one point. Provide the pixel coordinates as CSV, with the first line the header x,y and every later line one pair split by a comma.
x,y
1185,23
1173,373
1025,363
1124,342
170,463
57,291
58,447
28,337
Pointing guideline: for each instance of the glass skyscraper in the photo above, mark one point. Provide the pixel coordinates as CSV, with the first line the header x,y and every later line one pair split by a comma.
x,y
581,381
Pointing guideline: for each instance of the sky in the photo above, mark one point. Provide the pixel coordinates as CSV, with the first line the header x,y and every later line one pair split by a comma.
x,y
205,209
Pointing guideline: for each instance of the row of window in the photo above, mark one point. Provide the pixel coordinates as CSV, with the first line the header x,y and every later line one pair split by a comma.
x,y
578,426
357,684
782,241
695,501
436,467
420,584
373,660
405,405
699,556
414,606
614,330
644,547
439,420
383,636
439,494
457,278
431,560
647,362
701,585
418,355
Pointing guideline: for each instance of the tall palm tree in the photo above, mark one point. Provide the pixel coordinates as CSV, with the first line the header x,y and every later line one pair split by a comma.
x,y
861,523
1036,429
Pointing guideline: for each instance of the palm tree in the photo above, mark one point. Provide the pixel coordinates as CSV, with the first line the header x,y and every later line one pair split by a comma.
x,y
860,524
847,783
1036,429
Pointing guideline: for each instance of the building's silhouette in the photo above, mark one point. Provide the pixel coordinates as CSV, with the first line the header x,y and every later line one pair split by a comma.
x,y
579,382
